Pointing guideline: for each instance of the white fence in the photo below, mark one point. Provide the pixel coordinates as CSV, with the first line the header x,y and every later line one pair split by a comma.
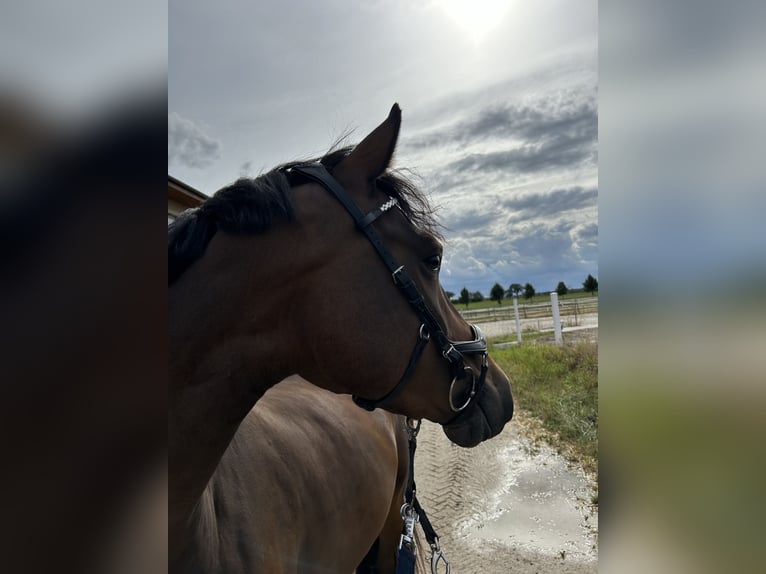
x,y
567,308
500,320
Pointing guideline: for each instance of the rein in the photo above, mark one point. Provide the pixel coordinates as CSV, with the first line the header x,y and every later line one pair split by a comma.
x,y
413,513
429,329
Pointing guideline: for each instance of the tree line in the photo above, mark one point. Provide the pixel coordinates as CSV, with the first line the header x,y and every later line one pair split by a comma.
x,y
498,293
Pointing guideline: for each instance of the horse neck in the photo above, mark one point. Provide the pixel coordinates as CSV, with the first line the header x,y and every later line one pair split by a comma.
x,y
217,371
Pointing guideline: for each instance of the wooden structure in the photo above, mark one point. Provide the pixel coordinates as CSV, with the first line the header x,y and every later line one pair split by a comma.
x,y
182,196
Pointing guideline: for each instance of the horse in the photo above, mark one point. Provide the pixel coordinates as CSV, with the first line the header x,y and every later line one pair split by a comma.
x,y
270,278
305,456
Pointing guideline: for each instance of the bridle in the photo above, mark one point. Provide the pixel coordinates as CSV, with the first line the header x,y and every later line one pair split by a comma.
x,y
430,329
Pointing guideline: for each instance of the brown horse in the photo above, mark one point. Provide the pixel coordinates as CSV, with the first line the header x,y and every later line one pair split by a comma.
x,y
269,278
303,456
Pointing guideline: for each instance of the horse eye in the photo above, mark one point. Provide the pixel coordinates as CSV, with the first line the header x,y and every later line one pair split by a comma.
x,y
434,262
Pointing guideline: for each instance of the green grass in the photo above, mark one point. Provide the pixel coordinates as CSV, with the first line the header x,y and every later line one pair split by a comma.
x,y
527,337
559,386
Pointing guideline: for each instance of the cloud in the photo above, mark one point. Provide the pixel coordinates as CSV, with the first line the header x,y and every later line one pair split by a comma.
x,y
473,220
539,251
535,140
514,174
569,113
584,239
504,140
550,204
189,145
557,153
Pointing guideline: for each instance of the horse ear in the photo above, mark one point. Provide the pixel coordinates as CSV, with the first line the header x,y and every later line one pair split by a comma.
x,y
372,155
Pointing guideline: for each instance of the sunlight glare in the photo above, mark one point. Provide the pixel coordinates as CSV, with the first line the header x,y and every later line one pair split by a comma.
x,y
476,17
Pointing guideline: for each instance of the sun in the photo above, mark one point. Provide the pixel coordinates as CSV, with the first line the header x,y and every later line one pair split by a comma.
x,y
477,18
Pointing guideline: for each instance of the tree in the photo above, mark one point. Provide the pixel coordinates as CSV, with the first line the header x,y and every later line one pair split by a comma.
x,y
450,295
529,291
465,297
497,293
515,289
590,284
476,296
561,288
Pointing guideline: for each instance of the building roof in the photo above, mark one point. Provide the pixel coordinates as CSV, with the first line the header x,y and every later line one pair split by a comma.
x,y
182,196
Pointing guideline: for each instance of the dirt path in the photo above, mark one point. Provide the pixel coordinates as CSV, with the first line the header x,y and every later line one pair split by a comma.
x,y
510,504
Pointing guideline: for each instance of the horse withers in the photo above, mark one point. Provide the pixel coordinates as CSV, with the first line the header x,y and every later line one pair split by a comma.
x,y
328,269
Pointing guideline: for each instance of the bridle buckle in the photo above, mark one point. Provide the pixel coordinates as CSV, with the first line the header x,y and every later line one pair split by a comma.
x,y
396,273
448,352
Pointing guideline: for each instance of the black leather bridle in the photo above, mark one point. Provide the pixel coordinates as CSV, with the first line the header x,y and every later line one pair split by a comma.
x,y
429,329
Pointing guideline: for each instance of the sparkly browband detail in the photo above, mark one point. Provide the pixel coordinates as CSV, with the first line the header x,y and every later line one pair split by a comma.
x,y
393,202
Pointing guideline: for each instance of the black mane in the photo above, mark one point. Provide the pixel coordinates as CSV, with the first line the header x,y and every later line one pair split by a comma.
x,y
250,205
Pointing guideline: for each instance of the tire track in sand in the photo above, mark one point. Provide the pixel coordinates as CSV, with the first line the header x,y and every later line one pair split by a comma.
x,y
464,490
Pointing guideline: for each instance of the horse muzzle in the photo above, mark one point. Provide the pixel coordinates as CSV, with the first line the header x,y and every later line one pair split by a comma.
x,y
489,410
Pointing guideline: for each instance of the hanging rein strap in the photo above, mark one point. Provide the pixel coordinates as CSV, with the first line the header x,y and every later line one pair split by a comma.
x,y
413,513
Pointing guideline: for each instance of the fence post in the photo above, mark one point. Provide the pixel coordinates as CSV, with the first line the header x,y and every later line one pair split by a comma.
x,y
556,318
516,316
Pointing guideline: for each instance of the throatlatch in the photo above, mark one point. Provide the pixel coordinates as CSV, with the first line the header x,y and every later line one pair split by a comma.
x,y
412,514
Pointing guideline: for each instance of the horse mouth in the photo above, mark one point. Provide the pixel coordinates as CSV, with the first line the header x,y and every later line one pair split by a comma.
x,y
482,420
469,434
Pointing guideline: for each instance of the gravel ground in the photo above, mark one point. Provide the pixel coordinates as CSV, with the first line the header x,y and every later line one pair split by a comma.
x,y
511,504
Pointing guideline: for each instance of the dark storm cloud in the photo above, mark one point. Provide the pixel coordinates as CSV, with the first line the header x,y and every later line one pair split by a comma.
x,y
188,145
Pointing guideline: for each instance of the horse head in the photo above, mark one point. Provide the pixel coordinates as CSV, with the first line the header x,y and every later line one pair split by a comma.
x,y
385,313
344,290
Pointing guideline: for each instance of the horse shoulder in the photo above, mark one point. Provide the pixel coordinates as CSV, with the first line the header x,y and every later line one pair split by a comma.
x,y
320,468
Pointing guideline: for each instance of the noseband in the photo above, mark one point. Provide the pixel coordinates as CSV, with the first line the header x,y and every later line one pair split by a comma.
x,y
429,329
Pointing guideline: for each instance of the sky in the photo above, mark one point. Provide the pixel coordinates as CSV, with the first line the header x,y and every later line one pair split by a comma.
x,y
499,113
49,59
